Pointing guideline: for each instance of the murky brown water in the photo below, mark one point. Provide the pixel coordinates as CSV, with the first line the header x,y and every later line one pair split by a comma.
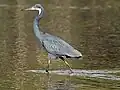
x,y
91,26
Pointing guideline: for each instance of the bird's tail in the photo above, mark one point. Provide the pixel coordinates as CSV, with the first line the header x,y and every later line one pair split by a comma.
x,y
74,54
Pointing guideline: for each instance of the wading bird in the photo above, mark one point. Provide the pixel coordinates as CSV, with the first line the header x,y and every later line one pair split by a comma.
x,y
55,46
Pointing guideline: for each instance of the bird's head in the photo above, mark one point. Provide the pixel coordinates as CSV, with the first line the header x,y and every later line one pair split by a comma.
x,y
36,7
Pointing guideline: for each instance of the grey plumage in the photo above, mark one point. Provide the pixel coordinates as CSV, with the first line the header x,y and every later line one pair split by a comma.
x,y
58,47
55,46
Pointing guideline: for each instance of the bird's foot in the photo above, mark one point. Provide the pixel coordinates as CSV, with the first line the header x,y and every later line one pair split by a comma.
x,y
47,71
71,71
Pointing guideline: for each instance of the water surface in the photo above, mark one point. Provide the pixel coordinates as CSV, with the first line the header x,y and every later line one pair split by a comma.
x,y
91,26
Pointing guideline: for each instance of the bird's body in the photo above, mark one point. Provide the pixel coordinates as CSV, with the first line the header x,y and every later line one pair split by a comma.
x,y
55,46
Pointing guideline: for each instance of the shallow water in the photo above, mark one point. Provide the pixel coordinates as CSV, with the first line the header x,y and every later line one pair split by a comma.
x,y
104,74
92,27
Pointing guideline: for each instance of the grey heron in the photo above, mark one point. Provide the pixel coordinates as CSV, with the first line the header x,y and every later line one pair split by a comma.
x,y
55,46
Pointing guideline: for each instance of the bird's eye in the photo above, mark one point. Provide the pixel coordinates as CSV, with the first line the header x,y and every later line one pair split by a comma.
x,y
37,6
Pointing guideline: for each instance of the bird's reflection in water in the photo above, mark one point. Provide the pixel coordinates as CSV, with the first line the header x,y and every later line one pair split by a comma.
x,y
58,83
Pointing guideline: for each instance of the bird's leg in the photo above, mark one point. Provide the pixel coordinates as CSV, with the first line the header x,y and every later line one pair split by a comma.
x,y
50,56
47,70
67,64
48,63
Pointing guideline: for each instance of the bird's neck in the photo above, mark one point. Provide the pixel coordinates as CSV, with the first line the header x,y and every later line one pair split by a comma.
x,y
37,30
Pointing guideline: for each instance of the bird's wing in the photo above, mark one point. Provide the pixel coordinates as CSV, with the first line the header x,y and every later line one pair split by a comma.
x,y
59,47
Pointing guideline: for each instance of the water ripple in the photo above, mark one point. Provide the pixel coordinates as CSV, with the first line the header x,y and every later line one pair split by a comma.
x,y
104,74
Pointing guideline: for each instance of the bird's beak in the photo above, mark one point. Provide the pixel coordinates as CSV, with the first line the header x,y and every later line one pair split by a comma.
x,y
32,8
